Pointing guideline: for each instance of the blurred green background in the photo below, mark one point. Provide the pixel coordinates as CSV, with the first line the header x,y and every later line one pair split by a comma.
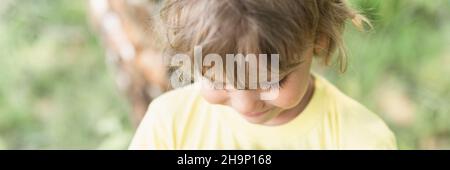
x,y
56,91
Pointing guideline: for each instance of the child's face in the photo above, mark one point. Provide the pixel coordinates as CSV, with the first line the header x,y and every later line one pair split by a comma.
x,y
282,109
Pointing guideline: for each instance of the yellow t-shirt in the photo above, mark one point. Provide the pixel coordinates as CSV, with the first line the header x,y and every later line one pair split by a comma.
x,y
182,119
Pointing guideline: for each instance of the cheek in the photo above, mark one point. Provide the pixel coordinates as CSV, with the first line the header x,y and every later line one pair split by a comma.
x,y
214,96
289,98
293,91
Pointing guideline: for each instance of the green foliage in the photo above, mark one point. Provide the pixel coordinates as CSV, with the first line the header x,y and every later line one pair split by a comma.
x,y
55,89
400,69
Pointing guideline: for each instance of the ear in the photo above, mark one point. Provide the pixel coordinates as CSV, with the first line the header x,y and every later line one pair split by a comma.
x,y
321,44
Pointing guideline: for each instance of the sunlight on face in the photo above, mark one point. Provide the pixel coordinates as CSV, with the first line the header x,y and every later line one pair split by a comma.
x,y
248,103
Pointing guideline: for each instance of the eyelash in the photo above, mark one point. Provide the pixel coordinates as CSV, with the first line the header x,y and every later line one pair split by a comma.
x,y
281,83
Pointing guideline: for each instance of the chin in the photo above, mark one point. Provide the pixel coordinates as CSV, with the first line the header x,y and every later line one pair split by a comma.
x,y
260,120
255,120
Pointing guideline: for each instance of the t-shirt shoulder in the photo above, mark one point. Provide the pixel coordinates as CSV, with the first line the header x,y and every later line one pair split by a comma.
x,y
360,128
157,127
176,100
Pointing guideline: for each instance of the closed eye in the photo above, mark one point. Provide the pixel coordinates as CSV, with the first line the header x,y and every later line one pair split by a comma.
x,y
278,85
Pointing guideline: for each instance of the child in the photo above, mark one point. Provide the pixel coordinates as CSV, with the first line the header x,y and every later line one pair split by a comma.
x,y
307,111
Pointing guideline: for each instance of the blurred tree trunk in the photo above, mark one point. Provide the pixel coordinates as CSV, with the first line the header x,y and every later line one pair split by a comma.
x,y
132,49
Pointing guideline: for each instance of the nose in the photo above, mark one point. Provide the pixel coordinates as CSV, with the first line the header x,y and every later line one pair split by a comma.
x,y
245,101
